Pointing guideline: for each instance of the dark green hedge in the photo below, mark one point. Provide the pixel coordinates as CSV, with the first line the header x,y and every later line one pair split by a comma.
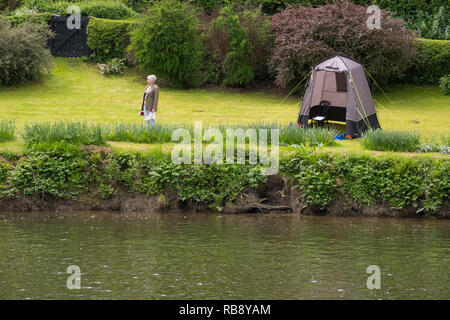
x,y
433,61
108,39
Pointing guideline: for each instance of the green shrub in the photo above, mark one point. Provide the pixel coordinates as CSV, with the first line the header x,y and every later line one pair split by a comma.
x,y
106,9
432,63
391,141
167,44
444,85
69,132
108,39
7,130
23,56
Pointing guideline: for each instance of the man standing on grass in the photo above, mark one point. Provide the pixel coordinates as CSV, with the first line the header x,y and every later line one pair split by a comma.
x,y
150,101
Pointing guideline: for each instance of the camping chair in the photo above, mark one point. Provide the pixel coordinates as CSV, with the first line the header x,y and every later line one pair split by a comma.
x,y
324,106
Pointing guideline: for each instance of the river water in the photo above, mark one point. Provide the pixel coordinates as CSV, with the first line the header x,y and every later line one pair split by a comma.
x,y
210,256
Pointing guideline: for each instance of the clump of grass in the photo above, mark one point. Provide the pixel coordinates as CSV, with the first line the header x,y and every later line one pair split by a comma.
x,y
7,128
78,133
381,140
314,136
139,133
81,133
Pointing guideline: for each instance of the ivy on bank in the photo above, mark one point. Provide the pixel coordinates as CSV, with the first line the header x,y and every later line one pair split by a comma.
x,y
423,183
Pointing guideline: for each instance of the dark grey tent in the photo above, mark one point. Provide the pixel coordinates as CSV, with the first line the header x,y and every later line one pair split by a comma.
x,y
342,82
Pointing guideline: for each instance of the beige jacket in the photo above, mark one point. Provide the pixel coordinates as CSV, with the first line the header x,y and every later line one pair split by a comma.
x,y
151,98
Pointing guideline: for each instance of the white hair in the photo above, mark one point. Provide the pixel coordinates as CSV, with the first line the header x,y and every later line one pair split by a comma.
x,y
152,77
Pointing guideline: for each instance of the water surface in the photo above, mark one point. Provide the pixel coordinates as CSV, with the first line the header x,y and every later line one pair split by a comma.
x,y
209,256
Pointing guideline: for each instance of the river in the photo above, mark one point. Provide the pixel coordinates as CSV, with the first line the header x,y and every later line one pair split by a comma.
x,y
212,256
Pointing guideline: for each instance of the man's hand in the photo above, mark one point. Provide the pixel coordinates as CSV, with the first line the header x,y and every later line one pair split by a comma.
x,y
153,110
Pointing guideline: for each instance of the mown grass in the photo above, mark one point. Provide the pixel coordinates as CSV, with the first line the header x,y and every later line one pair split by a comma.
x,y
76,91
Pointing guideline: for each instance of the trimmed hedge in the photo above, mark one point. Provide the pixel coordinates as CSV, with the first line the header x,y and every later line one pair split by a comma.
x,y
105,9
32,18
433,61
108,39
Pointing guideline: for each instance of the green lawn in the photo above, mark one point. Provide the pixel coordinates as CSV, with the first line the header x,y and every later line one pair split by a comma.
x,y
77,91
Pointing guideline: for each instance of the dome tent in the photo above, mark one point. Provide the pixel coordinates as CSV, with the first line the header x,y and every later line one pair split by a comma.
x,y
343,83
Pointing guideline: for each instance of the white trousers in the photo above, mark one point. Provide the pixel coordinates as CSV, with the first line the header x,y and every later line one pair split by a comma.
x,y
151,121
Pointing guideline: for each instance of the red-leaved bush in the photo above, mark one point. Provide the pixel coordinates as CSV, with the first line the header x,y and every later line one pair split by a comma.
x,y
304,36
